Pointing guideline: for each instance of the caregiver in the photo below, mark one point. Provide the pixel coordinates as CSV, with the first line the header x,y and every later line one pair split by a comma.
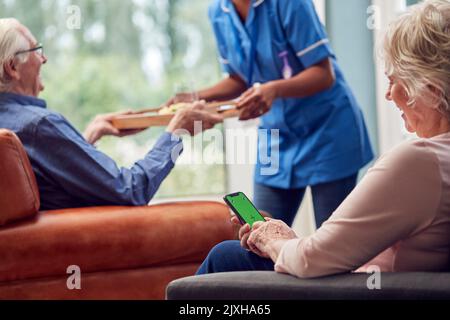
x,y
281,67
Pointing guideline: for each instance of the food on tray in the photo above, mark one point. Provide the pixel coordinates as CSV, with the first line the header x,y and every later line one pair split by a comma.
x,y
153,117
174,108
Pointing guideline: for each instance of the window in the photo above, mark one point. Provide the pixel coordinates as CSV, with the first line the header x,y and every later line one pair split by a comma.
x,y
391,128
106,56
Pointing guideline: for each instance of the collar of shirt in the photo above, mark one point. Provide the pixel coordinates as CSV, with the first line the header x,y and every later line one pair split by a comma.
x,y
13,98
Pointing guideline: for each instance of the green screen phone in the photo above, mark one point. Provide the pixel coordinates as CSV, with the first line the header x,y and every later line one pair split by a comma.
x,y
243,208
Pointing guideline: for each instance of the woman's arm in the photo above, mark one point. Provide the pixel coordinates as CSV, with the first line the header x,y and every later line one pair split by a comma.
x,y
397,199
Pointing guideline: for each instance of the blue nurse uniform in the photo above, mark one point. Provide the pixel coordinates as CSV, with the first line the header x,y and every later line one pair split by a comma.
x,y
322,138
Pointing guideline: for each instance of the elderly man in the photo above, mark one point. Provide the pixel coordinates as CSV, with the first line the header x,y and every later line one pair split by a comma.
x,y
70,171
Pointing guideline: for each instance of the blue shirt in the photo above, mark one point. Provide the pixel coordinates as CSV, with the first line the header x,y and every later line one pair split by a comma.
x,y
323,137
71,172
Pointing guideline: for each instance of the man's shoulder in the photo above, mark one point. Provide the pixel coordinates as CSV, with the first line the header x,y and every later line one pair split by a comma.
x,y
37,112
44,124
35,116
22,118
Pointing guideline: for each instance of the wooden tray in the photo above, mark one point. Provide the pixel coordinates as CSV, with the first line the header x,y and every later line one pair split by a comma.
x,y
150,118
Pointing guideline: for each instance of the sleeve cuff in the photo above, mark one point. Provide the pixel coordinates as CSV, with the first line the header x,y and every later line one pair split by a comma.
x,y
287,254
315,53
167,142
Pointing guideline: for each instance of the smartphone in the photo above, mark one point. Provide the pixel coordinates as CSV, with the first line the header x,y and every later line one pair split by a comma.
x,y
243,208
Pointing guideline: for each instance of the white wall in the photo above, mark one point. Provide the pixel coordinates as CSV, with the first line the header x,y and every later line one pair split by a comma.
x,y
240,176
321,9
391,130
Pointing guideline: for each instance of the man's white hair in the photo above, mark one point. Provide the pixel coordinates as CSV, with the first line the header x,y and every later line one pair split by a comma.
x,y
12,40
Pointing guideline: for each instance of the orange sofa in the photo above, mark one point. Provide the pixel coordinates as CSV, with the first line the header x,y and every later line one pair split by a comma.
x,y
121,252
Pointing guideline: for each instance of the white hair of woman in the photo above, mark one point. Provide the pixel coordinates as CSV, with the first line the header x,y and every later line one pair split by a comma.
x,y
417,52
13,38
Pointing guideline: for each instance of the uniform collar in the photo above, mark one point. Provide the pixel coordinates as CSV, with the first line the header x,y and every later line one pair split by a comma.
x,y
226,8
242,26
12,98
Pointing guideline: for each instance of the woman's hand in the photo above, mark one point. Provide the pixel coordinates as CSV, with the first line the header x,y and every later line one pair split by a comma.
x,y
245,231
102,126
256,101
266,239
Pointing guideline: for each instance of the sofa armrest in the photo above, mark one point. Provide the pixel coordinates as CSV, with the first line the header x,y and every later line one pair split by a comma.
x,y
19,196
257,285
112,238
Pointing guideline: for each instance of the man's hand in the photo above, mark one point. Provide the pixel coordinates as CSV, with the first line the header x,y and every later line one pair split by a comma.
x,y
102,126
256,101
185,120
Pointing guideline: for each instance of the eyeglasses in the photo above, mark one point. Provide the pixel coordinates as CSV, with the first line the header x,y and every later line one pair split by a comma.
x,y
39,50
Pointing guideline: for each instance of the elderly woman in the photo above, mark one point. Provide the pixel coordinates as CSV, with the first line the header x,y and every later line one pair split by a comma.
x,y
398,217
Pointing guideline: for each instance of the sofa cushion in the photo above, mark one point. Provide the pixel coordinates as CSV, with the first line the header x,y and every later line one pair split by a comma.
x,y
274,286
112,238
135,284
19,193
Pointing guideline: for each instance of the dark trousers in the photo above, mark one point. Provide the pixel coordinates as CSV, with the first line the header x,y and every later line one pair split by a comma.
x,y
284,204
230,256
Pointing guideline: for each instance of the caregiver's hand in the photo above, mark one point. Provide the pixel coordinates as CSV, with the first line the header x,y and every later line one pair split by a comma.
x,y
256,101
